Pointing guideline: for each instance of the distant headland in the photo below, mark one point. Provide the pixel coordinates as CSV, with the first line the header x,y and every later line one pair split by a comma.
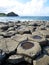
x,y
8,14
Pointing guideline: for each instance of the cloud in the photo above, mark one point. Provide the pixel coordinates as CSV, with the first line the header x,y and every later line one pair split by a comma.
x,y
35,7
11,5
32,7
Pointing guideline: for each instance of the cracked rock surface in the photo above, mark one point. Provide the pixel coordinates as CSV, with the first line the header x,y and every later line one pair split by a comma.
x,y
31,39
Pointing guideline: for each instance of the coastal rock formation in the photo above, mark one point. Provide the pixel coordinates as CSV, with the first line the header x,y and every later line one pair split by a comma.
x,y
30,38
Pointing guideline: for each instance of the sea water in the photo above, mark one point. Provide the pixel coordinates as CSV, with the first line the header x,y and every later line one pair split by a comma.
x,y
24,18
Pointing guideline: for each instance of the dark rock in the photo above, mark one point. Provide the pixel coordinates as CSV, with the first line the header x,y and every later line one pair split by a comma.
x,y
35,24
5,27
4,56
12,14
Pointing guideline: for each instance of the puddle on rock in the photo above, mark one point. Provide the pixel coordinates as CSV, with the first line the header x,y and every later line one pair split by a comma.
x,y
37,37
27,45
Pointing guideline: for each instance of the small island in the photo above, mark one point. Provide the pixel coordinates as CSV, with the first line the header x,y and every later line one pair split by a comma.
x,y
8,14
2,14
12,14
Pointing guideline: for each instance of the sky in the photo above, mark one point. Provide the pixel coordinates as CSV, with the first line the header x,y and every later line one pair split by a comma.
x,y
25,7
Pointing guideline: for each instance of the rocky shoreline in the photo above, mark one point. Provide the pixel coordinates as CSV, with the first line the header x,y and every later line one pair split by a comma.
x,y
30,38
